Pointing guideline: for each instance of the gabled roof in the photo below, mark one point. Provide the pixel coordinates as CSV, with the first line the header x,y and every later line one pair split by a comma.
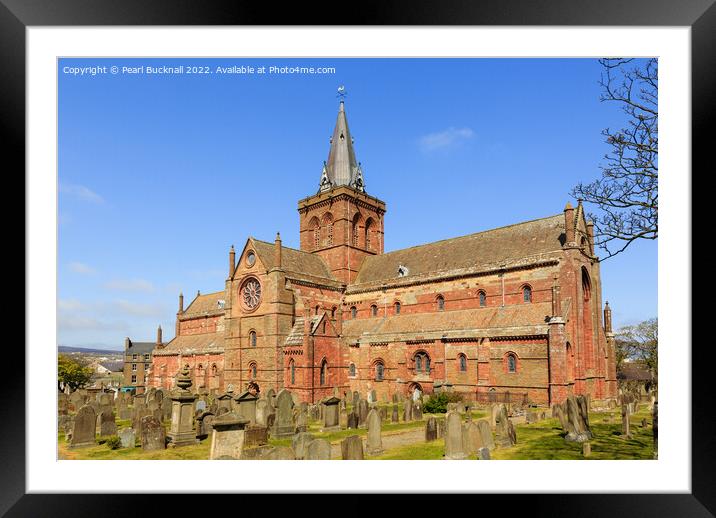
x,y
293,261
193,344
515,320
140,347
491,248
115,366
205,305
295,337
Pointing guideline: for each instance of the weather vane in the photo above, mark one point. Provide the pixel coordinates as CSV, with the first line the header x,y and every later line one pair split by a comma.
x,y
342,92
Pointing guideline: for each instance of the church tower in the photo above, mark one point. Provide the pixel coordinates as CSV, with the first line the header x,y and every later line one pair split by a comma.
x,y
341,222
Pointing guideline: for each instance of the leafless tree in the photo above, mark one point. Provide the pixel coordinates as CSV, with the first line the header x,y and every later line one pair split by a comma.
x,y
639,343
626,195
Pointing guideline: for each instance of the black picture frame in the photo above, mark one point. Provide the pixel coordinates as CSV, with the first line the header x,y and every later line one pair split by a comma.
x,y
700,15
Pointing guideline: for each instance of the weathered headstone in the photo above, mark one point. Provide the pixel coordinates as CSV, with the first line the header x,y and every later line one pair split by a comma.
x,y
283,424
84,427
301,420
352,448
127,437
504,429
531,417
271,397
453,436
318,449
245,405
228,437
299,443
441,428
586,449
483,453
353,420
486,434
342,419
575,419
408,410
107,425
362,412
472,439
204,424
626,431
431,429
375,443
417,411
330,414
62,404
394,414
152,434
262,408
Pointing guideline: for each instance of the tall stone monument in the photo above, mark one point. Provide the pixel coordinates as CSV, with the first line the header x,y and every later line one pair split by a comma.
x,y
181,432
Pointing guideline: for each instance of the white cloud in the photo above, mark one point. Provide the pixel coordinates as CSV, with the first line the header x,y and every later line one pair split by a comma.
x,y
70,305
83,323
134,285
81,193
139,310
444,139
81,268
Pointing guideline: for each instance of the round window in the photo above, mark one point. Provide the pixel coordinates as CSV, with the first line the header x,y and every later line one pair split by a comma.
x,y
250,258
251,293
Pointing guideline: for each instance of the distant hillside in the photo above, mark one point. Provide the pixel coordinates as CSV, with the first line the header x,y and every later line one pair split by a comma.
x,y
68,349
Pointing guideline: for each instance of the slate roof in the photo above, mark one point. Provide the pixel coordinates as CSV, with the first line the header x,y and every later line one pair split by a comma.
x,y
193,344
295,337
117,366
205,305
491,248
294,261
523,319
140,347
634,371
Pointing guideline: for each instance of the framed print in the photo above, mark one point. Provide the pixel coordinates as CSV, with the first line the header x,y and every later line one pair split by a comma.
x,y
429,152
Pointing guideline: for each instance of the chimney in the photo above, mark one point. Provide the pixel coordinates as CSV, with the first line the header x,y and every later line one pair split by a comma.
x,y
159,336
569,223
556,298
181,303
232,261
277,251
607,318
127,343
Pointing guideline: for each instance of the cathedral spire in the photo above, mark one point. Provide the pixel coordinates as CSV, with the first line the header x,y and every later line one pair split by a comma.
x,y
341,167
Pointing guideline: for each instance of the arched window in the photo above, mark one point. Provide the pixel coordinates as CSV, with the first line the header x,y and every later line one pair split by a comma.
x,y
527,294
292,369
317,308
422,362
374,310
328,223
355,232
214,370
200,369
586,285
483,298
252,338
252,370
379,371
324,372
315,227
511,363
462,360
324,327
352,369
441,302
397,308
354,311
368,230
333,312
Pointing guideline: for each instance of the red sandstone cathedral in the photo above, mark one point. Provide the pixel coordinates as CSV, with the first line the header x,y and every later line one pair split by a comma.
x,y
516,309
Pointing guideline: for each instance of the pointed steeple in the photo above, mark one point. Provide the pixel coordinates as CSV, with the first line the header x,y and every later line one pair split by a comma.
x,y
341,167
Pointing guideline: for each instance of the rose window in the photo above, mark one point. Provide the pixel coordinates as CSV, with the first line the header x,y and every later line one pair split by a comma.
x,y
251,293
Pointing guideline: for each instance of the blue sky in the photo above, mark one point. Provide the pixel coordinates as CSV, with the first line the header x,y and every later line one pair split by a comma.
x,y
160,174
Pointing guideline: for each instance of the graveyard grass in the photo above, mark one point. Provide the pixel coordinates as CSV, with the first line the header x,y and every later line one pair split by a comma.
x,y
537,441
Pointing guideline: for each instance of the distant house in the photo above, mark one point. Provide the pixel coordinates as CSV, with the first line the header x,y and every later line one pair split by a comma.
x,y
138,362
635,373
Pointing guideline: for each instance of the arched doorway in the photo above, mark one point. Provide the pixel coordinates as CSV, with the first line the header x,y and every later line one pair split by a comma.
x,y
415,391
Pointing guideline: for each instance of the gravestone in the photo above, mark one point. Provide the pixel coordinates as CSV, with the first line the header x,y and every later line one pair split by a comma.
x,y
137,416
441,428
352,420
181,430
394,414
586,449
283,423
352,448
225,401
318,449
62,404
166,406
504,429
472,439
486,434
330,414
301,420
127,437
494,411
228,437
375,443
408,410
204,424
271,397
342,419
255,436
453,437
356,399
626,431
362,412
200,406
262,408
84,427
76,401
151,434
576,419
655,428
531,417
299,443
155,409
383,412
107,426
483,453
417,411
372,397
431,429
245,405
395,398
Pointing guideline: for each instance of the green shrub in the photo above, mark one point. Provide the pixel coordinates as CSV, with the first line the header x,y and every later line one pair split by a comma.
x,y
101,440
437,403
114,442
